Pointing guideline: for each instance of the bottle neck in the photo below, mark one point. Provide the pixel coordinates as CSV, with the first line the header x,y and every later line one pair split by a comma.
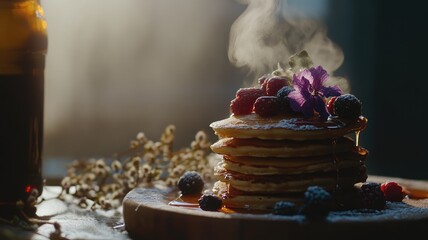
x,y
18,1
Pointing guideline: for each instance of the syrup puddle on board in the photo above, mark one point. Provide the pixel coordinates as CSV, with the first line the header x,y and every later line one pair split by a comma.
x,y
191,202
186,201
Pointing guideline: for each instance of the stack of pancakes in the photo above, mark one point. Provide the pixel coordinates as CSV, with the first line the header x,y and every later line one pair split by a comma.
x,y
265,160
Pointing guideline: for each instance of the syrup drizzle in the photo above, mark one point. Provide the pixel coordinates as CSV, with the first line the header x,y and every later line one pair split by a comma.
x,y
357,138
357,133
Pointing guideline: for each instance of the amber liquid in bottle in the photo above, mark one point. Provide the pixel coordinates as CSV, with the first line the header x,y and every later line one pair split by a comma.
x,y
23,46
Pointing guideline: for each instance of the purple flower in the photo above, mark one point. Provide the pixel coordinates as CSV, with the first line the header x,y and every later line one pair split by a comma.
x,y
310,92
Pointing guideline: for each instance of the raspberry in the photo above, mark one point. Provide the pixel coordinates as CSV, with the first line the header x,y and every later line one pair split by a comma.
x,y
190,183
274,84
284,208
318,202
241,106
244,100
282,95
263,78
392,191
372,196
347,106
250,93
210,202
330,105
263,81
267,106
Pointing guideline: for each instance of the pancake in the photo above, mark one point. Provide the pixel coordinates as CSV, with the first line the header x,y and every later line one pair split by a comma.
x,y
271,159
271,166
292,127
232,199
357,153
235,199
281,148
277,184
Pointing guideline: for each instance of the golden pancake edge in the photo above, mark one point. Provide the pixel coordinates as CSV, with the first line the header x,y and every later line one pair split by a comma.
x,y
292,127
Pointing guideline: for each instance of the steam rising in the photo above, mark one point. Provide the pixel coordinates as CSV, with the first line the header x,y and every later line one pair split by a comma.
x,y
270,31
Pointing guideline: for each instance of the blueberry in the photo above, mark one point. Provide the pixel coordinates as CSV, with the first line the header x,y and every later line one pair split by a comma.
x,y
284,208
347,106
318,203
190,183
282,95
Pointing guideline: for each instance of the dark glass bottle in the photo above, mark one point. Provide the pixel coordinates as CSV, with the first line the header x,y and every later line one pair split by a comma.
x,y
23,47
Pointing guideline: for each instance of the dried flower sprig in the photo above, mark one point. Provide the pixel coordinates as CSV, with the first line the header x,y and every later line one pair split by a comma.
x,y
23,215
103,183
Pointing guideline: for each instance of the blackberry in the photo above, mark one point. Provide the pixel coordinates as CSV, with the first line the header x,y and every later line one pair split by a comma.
x,y
190,182
284,208
318,203
347,106
282,95
210,202
372,196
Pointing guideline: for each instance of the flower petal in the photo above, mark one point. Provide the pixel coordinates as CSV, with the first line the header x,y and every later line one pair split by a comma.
x,y
330,91
320,107
301,104
308,108
306,90
319,76
302,80
296,100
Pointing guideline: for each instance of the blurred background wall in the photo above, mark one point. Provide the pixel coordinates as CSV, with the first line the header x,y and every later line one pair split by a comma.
x,y
116,68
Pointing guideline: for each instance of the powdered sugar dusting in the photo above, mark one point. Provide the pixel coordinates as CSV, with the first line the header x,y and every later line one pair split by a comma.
x,y
283,124
249,124
394,211
291,124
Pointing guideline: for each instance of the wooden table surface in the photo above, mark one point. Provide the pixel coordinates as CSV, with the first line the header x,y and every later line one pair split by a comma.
x,y
76,223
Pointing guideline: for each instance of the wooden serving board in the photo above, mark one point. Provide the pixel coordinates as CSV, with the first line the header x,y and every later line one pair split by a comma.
x,y
148,215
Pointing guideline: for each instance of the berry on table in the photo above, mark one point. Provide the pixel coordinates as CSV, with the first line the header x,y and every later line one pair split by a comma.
x,y
392,191
190,183
267,106
372,196
284,208
347,106
318,202
210,202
